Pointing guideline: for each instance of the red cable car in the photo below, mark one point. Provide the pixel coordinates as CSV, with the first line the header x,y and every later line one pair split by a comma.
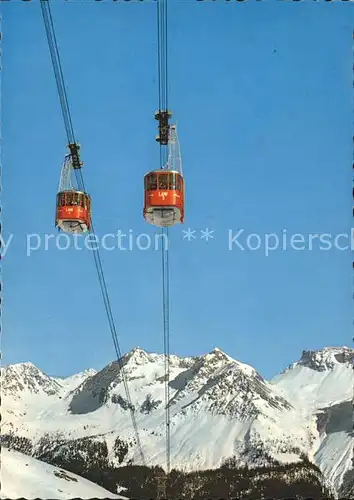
x,y
73,213
164,198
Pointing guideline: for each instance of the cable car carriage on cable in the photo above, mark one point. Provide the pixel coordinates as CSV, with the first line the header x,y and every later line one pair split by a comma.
x,y
164,188
73,210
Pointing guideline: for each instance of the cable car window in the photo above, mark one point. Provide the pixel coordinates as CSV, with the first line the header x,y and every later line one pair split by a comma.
x,y
69,199
61,200
152,182
172,177
163,181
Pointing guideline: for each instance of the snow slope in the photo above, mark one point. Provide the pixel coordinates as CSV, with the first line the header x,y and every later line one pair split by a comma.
x,y
321,386
319,378
69,384
219,408
25,477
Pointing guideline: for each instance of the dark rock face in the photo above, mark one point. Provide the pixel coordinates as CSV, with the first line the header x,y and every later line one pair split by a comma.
x,y
339,418
93,393
347,488
336,418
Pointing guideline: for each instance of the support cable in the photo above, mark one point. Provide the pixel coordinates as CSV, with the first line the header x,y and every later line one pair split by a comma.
x,y
164,136
74,149
352,360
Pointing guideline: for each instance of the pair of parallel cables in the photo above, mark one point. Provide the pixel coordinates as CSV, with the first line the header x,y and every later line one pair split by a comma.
x,y
74,149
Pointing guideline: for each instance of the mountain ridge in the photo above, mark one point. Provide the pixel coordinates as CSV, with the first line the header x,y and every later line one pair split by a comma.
x,y
242,414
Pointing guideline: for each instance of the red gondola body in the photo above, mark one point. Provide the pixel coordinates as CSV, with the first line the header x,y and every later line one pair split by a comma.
x,y
73,213
164,198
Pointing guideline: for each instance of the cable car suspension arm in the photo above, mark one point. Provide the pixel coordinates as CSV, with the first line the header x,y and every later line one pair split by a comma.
x,y
74,150
59,78
163,115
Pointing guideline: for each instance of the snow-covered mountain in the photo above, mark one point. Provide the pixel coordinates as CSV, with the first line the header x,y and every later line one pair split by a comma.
x,y
25,477
71,383
22,378
321,386
319,378
219,408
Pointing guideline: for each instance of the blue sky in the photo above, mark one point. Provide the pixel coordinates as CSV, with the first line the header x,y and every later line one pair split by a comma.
x,y
262,93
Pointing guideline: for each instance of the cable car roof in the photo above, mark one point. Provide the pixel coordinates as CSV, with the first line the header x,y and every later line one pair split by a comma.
x,y
76,191
163,171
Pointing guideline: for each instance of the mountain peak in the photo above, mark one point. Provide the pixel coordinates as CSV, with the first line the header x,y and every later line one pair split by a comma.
x,y
26,377
138,349
218,353
137,356
326,358
23,365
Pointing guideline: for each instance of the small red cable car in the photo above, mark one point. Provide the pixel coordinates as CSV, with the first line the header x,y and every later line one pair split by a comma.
x,y
73,214
164,198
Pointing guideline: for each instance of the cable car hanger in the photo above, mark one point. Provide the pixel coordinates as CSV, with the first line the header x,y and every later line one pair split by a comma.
x,y
73,212
164,188
73,209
